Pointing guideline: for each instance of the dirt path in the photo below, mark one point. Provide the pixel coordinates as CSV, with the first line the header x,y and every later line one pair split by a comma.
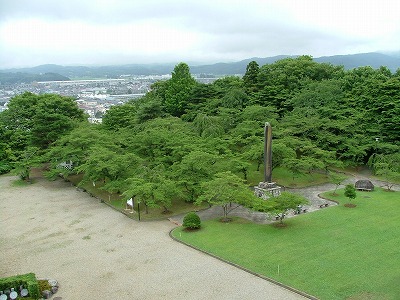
x,y
55,231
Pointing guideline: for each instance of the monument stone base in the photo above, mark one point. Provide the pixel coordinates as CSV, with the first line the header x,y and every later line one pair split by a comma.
x,y
266,190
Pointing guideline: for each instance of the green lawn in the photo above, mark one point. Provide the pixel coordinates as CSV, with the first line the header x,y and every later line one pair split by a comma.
x,y
334,253
284,177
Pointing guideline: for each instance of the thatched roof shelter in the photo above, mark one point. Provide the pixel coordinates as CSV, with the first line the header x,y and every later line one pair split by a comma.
x,y
364,185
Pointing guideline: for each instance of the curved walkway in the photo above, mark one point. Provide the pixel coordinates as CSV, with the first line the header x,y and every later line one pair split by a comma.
x,y
94,252
311,193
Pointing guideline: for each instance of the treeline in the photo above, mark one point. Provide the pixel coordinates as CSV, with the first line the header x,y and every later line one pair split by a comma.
x,y
183,134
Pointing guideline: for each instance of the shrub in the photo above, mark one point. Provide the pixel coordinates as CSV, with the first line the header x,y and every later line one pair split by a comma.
x,y
5,167
350,191
27,280
191,221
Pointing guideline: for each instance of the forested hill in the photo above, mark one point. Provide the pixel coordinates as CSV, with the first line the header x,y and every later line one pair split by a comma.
x,y
375,60
183,134
20,77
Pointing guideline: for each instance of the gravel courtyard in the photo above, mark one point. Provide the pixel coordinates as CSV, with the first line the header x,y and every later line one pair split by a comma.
x,y
55,231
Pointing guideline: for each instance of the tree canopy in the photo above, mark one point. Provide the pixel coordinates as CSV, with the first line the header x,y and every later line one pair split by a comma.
x,y
185,140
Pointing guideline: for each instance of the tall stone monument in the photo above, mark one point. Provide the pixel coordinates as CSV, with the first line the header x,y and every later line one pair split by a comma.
x,y
267,152
267,188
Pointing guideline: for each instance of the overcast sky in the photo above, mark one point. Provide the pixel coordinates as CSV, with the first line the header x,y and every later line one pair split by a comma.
x,y
101,32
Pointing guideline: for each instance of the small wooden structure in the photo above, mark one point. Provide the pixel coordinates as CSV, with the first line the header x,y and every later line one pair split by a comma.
x,y
364,185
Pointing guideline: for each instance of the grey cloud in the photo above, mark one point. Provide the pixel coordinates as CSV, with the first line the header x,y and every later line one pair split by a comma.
x,y
226,29
273,39
94,11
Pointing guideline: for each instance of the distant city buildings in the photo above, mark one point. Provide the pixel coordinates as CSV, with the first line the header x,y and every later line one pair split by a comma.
x,y
94,96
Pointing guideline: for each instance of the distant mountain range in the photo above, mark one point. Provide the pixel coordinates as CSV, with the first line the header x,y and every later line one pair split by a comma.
x,y
351,61
25,77
57,72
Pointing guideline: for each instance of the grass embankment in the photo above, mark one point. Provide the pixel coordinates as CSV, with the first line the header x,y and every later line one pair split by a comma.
x,y
118,202
281,175
284,177
334,253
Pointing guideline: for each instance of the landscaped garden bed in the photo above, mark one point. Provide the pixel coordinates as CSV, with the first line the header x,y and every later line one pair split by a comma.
x,y
28,287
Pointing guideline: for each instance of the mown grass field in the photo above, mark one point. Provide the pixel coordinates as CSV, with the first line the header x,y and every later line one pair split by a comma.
x,y
334,253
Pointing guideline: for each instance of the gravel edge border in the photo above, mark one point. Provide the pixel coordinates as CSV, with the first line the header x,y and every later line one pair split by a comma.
x,y
244,269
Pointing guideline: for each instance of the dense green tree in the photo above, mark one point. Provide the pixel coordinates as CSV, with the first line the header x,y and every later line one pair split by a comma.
x,y
281,153
208,126
35,122
152,187
17,122
235,98
229,117
337,179
54,117
178,90
225,84
246,133
6,154
141,191
326,96
254,153
239,164
260,114
280,205
28,158
250,78
202,93
166,190
350,191
162,141
149,108
75,147
386,109
321,114
282,80
108,165
195,168
120,116
204,99
159,88
227,188
387,166
307,156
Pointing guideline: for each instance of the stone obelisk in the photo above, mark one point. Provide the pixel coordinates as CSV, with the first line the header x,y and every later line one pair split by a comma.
x,y
267,188
267,152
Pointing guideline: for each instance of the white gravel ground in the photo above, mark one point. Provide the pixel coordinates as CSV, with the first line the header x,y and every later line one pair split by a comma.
x,y
55,231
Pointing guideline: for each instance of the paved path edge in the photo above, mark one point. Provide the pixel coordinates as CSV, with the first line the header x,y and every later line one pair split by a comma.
x,y
292,289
